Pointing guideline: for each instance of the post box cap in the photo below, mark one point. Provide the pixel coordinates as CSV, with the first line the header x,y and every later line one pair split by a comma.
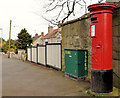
x,y
99,6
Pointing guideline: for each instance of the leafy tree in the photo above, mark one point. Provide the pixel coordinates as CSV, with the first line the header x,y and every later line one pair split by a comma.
x,y
24,39
1,44
6,46
2,40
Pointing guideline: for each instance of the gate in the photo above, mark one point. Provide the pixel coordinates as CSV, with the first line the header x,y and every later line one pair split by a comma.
x,y
42,54
29,54
47,55
54,55
34,54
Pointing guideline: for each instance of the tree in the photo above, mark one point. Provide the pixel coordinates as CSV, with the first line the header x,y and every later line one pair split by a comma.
x,y
64,9
2,40
6,46
24,39
1,43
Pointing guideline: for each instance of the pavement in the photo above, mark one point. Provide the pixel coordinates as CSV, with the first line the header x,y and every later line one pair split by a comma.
x,y
28,79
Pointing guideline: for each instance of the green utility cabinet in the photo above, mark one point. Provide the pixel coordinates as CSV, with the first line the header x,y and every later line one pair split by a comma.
x,y
76,62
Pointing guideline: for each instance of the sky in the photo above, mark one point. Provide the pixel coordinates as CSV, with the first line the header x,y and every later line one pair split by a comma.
x,y
24,14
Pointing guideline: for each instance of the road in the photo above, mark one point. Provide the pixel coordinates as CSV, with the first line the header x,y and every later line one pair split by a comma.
x,y
28,79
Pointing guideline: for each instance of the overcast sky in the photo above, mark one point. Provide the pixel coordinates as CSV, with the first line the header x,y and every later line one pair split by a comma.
x,y
23,14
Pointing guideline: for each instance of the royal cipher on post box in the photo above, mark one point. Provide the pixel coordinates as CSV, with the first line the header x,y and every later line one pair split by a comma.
x,y
101,33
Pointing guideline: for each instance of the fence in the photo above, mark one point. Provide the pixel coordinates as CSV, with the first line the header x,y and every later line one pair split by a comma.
x,y
29,54
54,55
47,55
34,54
42,54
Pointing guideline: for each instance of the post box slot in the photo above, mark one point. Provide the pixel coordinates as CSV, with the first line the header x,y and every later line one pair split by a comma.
x,y
94,18
97,46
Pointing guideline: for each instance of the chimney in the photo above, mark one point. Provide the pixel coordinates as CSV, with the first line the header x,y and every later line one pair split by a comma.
x,y
36,34
42,33
59,27
50,29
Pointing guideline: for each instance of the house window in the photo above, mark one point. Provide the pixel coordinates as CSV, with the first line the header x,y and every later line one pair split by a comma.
x,y
58,39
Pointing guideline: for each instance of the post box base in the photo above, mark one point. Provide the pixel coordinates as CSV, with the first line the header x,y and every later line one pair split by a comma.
x,y
102,81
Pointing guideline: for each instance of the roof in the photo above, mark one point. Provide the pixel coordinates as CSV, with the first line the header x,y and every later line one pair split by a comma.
x,y
36,37
49,35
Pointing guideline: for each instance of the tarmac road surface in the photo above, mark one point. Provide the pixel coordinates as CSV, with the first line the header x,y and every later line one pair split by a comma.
x,y
28,79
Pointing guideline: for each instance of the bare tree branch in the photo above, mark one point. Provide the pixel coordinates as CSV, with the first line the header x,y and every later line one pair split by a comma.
x,y
85,6
53,7
69,12
99,1
68,5
51,21
79,3
52,2
66,9
60,11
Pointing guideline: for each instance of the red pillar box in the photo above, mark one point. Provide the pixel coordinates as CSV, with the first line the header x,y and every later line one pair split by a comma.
x,y
101,33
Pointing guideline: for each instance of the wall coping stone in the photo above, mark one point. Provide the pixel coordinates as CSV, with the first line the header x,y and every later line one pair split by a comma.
x,y
85,16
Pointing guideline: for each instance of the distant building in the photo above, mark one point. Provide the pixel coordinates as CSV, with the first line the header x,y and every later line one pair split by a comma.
x,y
37,39
53,36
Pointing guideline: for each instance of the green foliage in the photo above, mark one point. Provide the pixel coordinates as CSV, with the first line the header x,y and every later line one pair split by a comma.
x,y
6,46
2,40
24,39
